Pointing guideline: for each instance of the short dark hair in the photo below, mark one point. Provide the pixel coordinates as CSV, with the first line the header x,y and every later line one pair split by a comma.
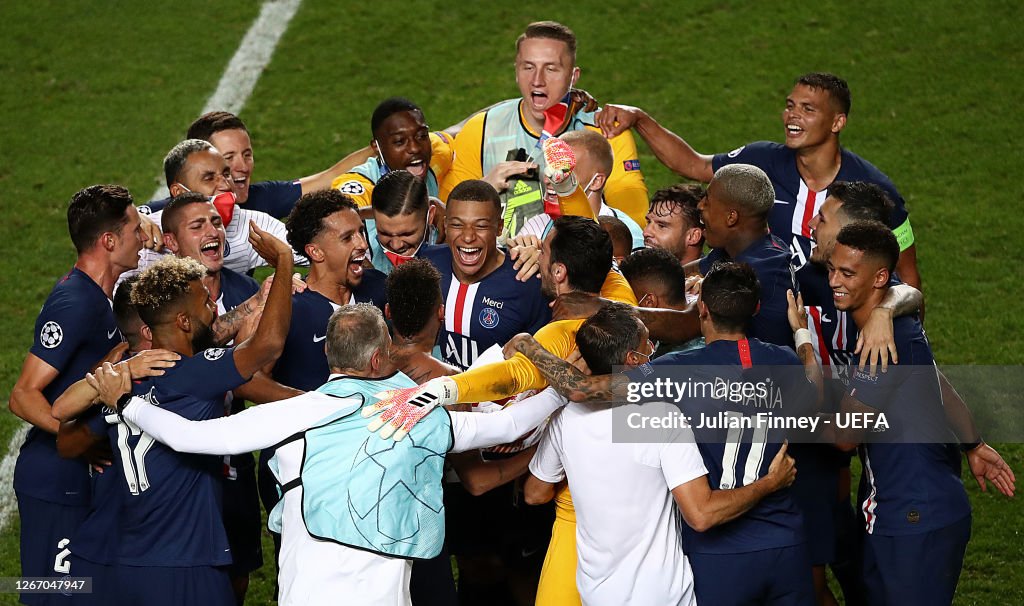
x,y
873,239
659,265
177,158
679,198
413,295
835,86
211,123
94,211
476,190
862,201
389,107
585,249
162,287
607,336
171,217
551,30
617,231
306,220
399,193
124,311
732,293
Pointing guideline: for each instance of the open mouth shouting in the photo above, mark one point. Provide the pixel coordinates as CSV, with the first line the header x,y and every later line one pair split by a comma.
x,y
417,167
470,257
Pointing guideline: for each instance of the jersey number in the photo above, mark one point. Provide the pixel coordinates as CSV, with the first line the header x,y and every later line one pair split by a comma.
x,y
134,459
755,457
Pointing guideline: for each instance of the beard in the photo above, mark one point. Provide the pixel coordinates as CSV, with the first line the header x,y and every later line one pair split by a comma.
x,y
203,338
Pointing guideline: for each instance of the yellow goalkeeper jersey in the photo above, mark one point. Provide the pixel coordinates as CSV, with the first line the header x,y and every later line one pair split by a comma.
x,y
359,182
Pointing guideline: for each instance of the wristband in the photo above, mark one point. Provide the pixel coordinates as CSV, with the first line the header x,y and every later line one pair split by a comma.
x,y
969,446
122,402
801,336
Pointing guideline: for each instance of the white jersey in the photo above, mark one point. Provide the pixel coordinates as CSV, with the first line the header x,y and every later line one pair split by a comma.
x,y
311,571
628,528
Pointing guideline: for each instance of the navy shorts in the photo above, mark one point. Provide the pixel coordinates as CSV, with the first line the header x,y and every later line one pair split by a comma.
x,y
242,522
915,569
46,531
172,586
814,493
104,585
780,576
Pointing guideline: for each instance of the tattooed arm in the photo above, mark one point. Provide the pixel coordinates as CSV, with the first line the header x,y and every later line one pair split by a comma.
x,y
226,327
565,378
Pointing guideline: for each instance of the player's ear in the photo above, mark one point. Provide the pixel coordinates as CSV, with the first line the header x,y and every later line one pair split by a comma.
x,y
314,253
575,77
838,123
147,335
598,183
558,272
387,311
440,313
702,310
183,322
881,278
693,236
175,189
732,218
171,242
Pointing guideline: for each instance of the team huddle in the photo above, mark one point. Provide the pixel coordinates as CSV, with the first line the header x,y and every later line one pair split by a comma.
x,y
460,400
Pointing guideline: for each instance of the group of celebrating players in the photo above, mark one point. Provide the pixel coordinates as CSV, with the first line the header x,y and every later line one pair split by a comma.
x,y
445,381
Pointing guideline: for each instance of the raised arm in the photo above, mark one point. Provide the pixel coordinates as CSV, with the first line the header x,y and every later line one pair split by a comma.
x,y
564,377
323,179
268,340
479,430
670,149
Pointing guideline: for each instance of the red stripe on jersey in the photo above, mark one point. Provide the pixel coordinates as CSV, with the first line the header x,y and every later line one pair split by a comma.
x,y
744,348
822,353
808,213
460,305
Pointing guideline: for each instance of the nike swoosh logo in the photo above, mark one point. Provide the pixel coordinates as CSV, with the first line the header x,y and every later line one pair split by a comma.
x,y
826,319
317,339
781,202
110,335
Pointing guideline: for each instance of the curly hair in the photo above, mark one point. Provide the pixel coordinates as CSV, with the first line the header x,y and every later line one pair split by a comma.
x,y
164,284
306,220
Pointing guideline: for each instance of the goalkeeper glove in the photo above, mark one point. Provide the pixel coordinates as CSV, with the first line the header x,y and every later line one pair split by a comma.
x,y
559,162
401,409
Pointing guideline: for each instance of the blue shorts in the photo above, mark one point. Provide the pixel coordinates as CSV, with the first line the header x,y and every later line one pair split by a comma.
x,y
780,576
104,585
242,522
915,569
46,531
814,493
172,586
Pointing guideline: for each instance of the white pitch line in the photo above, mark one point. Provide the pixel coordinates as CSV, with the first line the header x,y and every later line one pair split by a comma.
x,y
8,503
247,65
232,92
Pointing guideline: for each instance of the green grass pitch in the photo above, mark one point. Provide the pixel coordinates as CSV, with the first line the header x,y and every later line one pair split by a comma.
x,y
99,91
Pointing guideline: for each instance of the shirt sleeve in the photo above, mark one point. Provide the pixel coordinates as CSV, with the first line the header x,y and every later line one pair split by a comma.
x,y
255,428
474,430
441,154
63,326
355,186
208,374
467,161
276,198
517,374
546,464
616,288
680,463
626,189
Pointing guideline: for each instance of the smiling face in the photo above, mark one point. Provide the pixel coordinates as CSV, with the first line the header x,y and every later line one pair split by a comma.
x,y
715,214
544,73
810,118
341,247
403,140
205,172
854,277
199,235
472,231
235,146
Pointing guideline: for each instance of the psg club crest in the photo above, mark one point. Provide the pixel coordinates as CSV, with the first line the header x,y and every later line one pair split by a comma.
x,y
51,335
489,317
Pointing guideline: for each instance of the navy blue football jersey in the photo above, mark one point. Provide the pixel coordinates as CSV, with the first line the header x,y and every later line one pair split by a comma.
x,y
171,502
770,260
276,198
303,362
736,456
912,477
796,204
488,312
75,329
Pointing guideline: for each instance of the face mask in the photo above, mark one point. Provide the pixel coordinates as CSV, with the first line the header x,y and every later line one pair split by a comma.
x,y
224,203
385,169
